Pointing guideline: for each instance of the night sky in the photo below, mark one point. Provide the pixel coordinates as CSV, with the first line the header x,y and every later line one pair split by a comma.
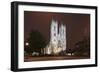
x,y
77,25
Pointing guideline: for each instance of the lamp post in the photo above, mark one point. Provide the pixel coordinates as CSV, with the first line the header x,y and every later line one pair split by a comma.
x,y
26,43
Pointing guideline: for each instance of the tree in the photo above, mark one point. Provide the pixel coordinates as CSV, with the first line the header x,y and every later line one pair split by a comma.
x,y
83,47
36,41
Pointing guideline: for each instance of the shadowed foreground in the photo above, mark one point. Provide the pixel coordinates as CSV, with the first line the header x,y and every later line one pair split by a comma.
x,y
46,58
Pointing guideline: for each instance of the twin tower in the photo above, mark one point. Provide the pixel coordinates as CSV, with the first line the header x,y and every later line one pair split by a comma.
x,y
57,39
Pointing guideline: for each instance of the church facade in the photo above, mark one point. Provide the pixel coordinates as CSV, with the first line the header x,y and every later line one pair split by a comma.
x,y
57,42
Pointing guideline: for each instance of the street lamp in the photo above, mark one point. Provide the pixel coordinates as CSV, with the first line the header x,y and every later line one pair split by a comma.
x,y
26,43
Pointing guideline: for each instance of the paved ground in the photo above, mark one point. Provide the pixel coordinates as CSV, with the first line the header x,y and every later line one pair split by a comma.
x,y
46,58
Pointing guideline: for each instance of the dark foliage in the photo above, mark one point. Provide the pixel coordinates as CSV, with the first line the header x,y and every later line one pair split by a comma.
x,y
36,41
83,47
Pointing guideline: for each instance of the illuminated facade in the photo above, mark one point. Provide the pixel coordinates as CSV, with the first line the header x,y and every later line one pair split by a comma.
x,y
57,39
